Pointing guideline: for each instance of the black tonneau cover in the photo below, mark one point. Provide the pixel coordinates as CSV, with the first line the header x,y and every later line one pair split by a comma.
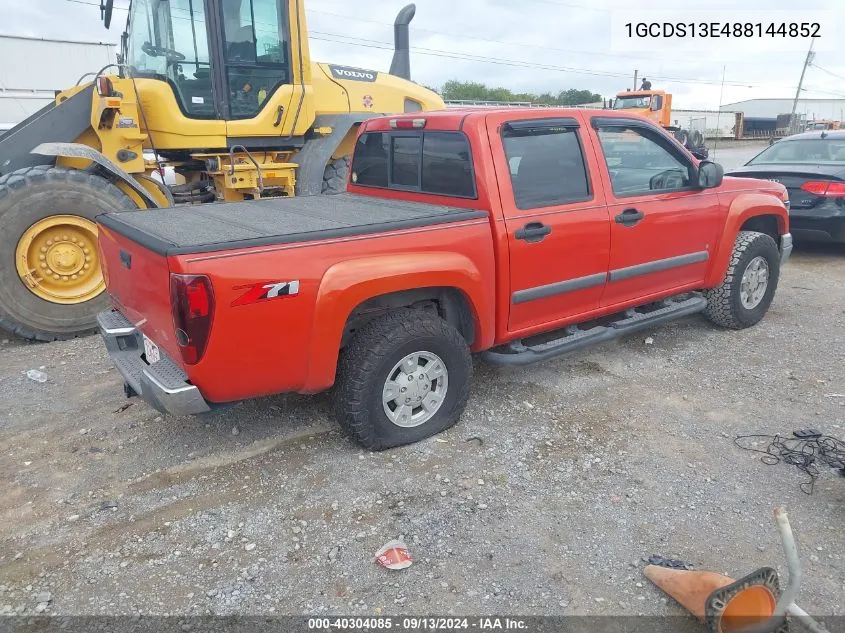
x,y
225,226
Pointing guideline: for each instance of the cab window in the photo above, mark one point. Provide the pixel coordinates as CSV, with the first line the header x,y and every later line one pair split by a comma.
x,y
168,41
428,162
255,50
640,161
546,165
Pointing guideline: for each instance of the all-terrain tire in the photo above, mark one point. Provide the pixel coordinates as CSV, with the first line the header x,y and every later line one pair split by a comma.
x,y
724,303
27,196
334,178
366,363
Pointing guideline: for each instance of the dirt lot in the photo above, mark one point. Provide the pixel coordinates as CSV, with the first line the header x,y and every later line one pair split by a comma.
x,y
544,499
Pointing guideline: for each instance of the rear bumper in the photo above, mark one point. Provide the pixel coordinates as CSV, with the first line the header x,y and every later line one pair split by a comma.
x,y
824,222
818,229
163,385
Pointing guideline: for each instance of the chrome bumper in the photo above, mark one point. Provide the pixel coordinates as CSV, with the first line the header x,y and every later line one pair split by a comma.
x,y
163,385
785,247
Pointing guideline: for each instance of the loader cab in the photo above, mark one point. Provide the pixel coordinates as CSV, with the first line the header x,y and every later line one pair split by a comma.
x,y
223,59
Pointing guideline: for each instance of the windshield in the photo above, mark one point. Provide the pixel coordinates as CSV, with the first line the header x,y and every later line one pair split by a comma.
x,y
167,40
623,103
803,151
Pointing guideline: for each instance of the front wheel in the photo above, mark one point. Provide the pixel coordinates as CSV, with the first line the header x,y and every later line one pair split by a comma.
x,y
51,284
403,377
746,292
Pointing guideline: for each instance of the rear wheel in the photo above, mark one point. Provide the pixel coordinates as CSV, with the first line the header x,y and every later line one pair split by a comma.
x,y
403,377
334,179
51,284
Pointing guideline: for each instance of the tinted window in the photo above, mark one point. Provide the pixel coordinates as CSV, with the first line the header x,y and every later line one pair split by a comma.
x,y
372,153
803,151
640,162
255,48
546,165
406,161
447,168
385,159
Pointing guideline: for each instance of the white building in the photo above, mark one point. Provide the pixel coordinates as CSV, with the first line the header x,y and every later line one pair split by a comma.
x,y
33,70
711,123
810,108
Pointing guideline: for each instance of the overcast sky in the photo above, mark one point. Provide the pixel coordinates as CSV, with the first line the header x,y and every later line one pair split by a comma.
x,y
534,45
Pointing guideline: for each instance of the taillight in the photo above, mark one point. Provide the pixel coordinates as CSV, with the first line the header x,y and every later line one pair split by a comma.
x,y
825,188
407,124
192,303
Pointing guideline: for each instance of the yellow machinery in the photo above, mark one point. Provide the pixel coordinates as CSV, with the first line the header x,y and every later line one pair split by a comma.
x,y
657,106
217,98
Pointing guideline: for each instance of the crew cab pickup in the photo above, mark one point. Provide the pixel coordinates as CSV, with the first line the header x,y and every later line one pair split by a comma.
x,y
517,235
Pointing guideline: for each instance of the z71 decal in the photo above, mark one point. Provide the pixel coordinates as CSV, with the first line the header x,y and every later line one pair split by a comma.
x,y
266,291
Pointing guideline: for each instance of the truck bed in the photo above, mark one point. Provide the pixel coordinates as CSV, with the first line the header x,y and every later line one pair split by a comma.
x,y
224,226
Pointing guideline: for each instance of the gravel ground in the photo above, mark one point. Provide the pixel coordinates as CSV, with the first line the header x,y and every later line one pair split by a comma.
x,y
543,500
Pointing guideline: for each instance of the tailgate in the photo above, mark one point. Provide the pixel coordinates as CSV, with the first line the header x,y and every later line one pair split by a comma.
x,y
138,281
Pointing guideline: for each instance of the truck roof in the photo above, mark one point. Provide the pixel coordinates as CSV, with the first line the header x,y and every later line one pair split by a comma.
x,y
455,119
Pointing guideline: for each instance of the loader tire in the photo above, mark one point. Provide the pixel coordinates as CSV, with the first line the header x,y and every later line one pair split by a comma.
x,y
28,197
334,179
696,139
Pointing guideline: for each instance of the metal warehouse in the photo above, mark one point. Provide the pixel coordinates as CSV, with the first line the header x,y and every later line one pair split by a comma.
x,y
809,108
34,69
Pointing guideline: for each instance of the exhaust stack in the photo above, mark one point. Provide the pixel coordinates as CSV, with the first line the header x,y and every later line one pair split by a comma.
x,y
401,64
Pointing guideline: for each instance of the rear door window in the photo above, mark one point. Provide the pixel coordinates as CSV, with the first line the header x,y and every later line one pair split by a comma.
x,y
429,162
546,164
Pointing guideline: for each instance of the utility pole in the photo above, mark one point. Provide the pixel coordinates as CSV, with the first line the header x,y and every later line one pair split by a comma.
x,y
635,79
807,62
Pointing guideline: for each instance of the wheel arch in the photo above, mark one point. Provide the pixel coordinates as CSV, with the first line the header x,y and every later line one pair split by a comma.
x,y
320,149
123,179
349,297
756,211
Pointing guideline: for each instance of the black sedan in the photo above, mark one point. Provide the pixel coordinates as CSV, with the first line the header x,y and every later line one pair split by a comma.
x,y
812,168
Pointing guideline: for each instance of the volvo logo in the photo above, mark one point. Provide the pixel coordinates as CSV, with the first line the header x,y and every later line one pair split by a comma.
x,y
354,74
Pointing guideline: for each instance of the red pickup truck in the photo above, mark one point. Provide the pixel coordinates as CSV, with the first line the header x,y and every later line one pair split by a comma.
x,y
516,234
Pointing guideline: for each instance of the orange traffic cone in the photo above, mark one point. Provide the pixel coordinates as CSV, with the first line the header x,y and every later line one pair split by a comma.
x,y
724,605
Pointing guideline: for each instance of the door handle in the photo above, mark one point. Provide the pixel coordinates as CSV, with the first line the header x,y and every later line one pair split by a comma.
x,y
279,114
533,232
629,217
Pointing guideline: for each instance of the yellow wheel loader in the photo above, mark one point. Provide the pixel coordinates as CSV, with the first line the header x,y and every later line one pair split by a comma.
x,y
210,100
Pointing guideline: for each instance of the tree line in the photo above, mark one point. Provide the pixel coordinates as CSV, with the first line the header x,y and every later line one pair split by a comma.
x,y
474,91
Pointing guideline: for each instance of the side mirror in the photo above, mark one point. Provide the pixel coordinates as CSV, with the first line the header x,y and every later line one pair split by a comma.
x,y
106,9
710,174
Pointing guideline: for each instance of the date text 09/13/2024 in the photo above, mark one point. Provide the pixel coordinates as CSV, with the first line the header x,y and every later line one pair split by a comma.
x,y
488,623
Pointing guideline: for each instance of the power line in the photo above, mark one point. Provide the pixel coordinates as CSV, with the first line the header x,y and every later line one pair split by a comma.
x,y
825,70
517,63
97,4
367,43
494,41
821,91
